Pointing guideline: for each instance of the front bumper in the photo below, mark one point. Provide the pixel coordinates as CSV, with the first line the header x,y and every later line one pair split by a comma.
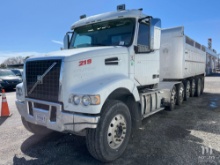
x,y
51,116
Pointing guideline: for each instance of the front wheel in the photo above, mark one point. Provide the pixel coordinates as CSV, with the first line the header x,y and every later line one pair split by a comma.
x,y
109,140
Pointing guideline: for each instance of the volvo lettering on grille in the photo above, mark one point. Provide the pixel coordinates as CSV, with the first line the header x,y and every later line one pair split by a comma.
x,y
41,77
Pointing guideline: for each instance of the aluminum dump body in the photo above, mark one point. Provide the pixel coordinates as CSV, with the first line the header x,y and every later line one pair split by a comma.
x,y
180,56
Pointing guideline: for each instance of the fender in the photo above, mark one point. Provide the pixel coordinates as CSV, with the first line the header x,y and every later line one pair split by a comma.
x,y
102,86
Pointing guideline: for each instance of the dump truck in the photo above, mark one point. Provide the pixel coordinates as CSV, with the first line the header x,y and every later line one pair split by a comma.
x,y
115,69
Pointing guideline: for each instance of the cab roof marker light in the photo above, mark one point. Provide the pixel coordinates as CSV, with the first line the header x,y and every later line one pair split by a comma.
x,y
121,7
82,16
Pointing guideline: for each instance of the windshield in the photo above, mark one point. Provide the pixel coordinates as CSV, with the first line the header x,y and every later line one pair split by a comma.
x,y
6,73
109,33
17,72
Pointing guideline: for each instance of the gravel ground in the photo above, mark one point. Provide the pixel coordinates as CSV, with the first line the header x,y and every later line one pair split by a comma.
x,y
182,136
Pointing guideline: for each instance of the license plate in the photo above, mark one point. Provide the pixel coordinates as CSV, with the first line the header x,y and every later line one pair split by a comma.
x,y
41,118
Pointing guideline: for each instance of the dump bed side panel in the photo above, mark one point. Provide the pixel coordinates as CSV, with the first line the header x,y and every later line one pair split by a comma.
x,y
195,59
180,56
171,53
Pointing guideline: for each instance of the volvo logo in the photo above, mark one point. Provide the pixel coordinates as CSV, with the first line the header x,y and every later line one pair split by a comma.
x,y
41,77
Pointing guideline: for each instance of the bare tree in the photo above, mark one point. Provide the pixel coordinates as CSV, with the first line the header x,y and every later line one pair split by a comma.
x,y
14,60
3,66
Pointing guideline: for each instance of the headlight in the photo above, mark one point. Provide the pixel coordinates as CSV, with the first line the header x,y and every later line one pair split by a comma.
x,y
19,92
86,100
76,99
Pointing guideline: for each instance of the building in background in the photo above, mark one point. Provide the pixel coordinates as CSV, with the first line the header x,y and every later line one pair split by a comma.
x,y
20,66
212,58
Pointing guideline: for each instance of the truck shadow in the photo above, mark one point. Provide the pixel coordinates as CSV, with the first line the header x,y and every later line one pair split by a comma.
x,y
172,145
55,148
179,136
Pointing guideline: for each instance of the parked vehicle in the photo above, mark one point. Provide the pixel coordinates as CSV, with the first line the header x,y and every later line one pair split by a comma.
x,y
17,72
107,79
8,79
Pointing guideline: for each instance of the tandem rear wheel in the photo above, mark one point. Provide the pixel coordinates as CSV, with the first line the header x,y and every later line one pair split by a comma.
x,y
198,87
176,96
180,94
193,87
187,90
173,98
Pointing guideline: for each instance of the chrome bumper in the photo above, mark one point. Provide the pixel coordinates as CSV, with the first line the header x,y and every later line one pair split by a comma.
x,y
59,121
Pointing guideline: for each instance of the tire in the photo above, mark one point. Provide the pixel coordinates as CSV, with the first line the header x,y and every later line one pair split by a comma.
x,y
180,94
36,129
109,140
203,84
198,87
135,112
173,99
187,90
193,87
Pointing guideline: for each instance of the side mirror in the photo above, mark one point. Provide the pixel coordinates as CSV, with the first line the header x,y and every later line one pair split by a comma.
x,y
155,33
66,41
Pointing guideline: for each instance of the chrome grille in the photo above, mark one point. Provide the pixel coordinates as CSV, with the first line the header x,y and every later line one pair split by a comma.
x,y
48,89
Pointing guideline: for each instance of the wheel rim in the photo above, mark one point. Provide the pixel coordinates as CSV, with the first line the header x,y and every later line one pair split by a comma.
x,y
173,97
187,89
193,87
116,131
199,86
181,93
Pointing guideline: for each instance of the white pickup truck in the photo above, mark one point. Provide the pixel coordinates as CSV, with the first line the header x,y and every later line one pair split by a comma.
x,y
108,78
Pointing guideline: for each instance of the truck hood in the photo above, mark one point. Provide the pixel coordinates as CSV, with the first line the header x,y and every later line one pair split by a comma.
x,y
81,53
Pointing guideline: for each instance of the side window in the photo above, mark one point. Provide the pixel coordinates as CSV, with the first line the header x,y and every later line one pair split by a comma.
x,y
144,35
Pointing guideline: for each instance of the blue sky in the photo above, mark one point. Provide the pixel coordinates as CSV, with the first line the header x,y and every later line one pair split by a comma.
x,y
31,27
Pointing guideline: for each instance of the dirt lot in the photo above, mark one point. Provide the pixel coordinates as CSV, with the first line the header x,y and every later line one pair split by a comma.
x,y
188,135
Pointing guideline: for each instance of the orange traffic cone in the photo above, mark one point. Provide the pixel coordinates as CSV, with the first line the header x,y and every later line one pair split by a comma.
x,y
5,110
